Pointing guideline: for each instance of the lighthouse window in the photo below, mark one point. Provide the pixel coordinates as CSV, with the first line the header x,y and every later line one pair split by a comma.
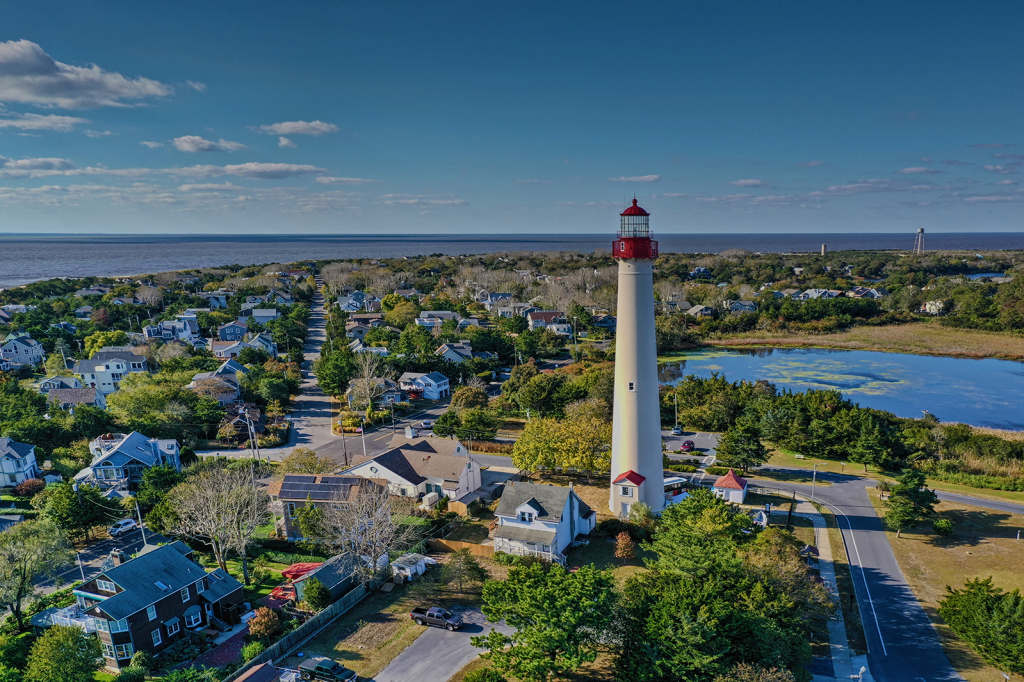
x,y
632,386
627,491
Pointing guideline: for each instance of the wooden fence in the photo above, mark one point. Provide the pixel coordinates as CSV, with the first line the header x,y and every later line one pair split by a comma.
x,y
486,551
300,635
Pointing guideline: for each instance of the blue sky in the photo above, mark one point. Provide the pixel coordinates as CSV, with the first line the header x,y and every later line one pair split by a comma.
x,y
485,117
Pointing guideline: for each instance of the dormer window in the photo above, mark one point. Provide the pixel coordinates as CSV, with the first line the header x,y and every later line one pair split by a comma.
x,y
526,517
106,586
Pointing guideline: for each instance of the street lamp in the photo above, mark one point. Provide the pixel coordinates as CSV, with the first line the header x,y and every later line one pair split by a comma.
x,y
362,432
814,476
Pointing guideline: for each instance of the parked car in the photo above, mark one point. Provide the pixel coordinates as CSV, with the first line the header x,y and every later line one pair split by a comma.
x,y
426,423
677,430
437,617
687,446
121,527
323,668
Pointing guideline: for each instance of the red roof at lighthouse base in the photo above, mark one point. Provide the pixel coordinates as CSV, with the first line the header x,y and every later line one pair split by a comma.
x,y
731,481
631,476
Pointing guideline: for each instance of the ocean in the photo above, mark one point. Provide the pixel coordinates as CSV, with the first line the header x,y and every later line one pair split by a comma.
x,y
28,258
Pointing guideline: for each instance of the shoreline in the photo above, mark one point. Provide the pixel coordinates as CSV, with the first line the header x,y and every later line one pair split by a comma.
x,y
918,338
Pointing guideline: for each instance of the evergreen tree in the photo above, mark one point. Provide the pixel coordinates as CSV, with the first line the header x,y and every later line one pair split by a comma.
x,y
63,654
741,447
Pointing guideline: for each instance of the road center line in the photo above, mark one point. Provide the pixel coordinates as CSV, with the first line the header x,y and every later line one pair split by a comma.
x,y
864,577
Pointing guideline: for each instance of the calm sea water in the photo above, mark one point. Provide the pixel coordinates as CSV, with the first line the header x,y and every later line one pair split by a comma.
x,y
28,258
976,392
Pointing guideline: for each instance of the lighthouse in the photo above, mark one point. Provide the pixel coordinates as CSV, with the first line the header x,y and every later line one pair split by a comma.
x,y
637,473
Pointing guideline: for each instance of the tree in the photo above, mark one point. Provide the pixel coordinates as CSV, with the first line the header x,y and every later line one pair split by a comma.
x,y
585,438
402,315
369,382
745,672
221,507
316,594
63,654
462,567
252,650
334,370
367,527
990,620
909,502
388,303
311,521
157,481
476,424
741,447
307,461
697,537
560,619
537,446
540,394
264,623
132,673
446,424
469,397
94,342
29,551
625,548
72,512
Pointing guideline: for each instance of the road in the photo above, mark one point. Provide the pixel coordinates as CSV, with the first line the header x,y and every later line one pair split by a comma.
x,y
438,654
93,555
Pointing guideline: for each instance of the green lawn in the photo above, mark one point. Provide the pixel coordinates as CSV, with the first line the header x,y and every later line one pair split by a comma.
x,y
601,554
19,502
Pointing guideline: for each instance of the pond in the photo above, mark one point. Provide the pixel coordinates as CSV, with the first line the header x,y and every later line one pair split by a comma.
x,y
978,392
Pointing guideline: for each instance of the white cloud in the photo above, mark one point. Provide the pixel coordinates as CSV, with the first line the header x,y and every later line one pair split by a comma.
x,y
262,171
327,180
637,178
97,133
198,87
60,124
151,145
37,164
194,143
209,187
872,186
811,164
1002,170
1005,182
991,198
926,159
30,76
298,128
917,170
284,142
750,183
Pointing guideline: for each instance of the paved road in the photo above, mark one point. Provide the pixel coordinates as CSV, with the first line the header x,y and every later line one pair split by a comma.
x,y
93,556
438,654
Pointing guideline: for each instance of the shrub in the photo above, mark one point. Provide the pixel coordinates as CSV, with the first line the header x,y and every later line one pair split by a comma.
x,y
503,558
132,674
29,487
484,675
265,623
943,527
611,528
717,471
144,660
252,650
683,468
316,594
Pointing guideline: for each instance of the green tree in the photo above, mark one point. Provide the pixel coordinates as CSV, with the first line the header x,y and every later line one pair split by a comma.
x,y
463,568
334,371
252,650
63,654
307,461
402,315
75,513
521,374
388,303
745,672
909,501
538,445
697,536
311,520
741,447
446,424
469,397
990,620
476,424
540,394
316,594
94,342
560,619
157,481
29,551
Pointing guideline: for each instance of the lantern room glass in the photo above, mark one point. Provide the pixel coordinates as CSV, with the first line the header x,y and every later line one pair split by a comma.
x,y
635,226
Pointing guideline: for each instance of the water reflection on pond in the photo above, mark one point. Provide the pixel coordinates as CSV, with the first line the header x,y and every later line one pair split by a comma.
x,y
979,392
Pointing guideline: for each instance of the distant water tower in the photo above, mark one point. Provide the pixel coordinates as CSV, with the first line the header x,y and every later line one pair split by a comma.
x,y
824,249
637,474
919,242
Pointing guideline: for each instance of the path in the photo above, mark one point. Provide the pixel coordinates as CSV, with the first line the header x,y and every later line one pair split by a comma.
x,y
438,654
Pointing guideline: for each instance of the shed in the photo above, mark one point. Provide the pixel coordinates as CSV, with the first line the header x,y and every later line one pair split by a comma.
x,y
338,575
411,565
731,487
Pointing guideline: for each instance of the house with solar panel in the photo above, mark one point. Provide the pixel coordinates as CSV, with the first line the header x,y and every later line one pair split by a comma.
x,y
147,603
417,468
541,520
295,491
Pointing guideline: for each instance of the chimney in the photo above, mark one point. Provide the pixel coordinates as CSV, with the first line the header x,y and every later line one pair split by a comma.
x,y
118,557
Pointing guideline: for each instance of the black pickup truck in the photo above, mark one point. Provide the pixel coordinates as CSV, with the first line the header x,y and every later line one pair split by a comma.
x,y
436,616
323,668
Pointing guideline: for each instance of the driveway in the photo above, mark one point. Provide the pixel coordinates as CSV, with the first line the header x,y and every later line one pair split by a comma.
x,y
437,654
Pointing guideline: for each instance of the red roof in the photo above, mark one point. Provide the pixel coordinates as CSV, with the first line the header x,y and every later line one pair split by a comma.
x,y
634,210
631,476
732,481
296,571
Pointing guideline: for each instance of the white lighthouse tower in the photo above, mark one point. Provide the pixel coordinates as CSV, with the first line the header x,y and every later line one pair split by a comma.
x,y
637,472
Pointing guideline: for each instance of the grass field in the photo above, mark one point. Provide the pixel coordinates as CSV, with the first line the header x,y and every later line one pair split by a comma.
x,y
983,544
922,338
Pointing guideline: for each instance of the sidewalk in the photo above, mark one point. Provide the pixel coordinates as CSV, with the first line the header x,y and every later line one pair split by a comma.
x,y
843,666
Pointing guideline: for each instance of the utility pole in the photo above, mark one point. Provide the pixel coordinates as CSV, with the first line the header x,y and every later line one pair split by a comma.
x,y
814,477
676,393
362,432
143,530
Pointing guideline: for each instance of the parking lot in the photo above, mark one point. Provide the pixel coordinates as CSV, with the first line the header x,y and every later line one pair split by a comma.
x,y
704,445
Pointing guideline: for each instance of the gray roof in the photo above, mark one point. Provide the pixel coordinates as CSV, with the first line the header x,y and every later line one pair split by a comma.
x,y
14,449
125,356
334,571
436,377
525,534
133,446
138,579
72,396
550,499
220,584
8,520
